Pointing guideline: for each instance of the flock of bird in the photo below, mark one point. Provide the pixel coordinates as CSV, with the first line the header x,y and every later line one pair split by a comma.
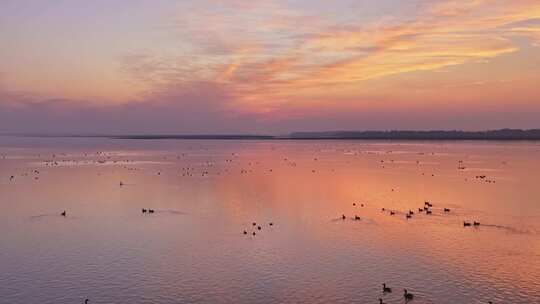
x,y
256,228
427,209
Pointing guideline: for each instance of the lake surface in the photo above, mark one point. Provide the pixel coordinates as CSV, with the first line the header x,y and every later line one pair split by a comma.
x,y
207,193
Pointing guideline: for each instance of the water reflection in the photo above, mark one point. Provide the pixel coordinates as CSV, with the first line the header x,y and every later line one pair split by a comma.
x,y
206,193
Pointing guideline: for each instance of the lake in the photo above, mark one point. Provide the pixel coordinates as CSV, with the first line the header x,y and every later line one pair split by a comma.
x,y
206,193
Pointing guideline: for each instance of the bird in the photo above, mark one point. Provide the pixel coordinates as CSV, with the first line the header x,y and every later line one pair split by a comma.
x,y
343,217
150,210
356,218
253,224
428,211
392,213
254,233
410,212
408,216
245,232
466,224
475,223
446,210
259,227
386,289
380,301
121,184
420,210
407,295
143,210
63,213
86,301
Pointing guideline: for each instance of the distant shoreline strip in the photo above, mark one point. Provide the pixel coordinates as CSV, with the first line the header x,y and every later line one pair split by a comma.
x,y
502,134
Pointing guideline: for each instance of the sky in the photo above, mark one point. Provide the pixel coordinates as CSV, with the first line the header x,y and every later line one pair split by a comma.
x,y
268,67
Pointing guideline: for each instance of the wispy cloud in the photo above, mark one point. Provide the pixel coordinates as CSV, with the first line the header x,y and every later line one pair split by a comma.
x,y
242,50
225,65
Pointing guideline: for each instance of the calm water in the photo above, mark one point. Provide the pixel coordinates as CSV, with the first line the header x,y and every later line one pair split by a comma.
x,y
206,193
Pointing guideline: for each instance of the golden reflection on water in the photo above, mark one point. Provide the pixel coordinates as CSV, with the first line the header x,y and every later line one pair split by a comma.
x,y
207,193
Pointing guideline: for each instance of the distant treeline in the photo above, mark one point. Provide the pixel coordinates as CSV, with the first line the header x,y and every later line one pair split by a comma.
x,y
503,134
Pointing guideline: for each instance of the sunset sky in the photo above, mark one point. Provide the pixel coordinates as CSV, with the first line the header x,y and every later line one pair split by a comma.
x,y
275,66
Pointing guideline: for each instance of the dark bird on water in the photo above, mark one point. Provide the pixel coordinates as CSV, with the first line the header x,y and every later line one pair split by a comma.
x,y
385,288
271,224
446,210
392,213
151,210
245,232
143,210
408,216
407,295
343,217
466,224
356,218
475,223
63,213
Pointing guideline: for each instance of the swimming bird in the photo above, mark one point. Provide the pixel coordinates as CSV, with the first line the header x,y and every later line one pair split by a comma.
x,y
386,289
271,224
121,184
143,210
420,210
245,232
254,233
446,210
428,211
253,224
343,217
408,216
150,210
475,223
392,213
410,212
466,224
259,227
407,295
356,218
63,213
